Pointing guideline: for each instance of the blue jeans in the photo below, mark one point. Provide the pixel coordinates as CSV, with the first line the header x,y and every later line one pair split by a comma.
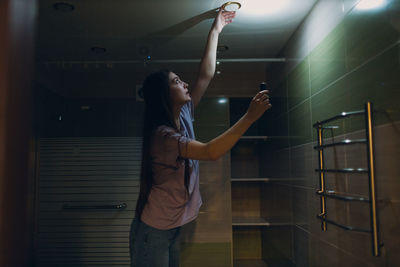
x,y
151,247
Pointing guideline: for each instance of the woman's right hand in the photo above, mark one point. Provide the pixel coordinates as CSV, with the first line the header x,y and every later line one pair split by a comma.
x,y
258,105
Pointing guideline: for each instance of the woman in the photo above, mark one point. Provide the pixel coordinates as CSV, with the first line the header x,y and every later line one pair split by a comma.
x,y
169,190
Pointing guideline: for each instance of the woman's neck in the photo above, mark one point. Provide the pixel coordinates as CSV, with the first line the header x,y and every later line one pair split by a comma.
x,y
177,113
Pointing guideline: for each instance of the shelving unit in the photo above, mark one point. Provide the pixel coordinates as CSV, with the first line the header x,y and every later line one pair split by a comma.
x,y
252,216
261,221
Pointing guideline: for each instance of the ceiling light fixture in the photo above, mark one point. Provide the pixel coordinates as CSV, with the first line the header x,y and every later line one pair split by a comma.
x,y
264,7
231,6
222,100
369,4
63,7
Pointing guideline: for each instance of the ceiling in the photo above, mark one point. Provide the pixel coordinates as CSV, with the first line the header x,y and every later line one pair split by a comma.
x,y
69,44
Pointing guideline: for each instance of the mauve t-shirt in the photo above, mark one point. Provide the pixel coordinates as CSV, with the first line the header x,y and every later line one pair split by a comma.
x,y
169,204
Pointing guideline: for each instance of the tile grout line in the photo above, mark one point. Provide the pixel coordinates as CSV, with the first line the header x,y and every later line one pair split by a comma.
x,y
308,232
347,74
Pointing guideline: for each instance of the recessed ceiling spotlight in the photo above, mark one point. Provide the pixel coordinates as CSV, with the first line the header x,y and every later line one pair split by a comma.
x,y
98,50
222,48
231,6
369,4
218,72
63,7
222,100
264,7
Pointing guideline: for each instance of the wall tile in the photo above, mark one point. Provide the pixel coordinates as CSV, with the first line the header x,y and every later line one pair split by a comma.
x,y
301,239
377,81
301,208
300,124
276,202
327,60
299,84
326,254
368,32
304,161
325,17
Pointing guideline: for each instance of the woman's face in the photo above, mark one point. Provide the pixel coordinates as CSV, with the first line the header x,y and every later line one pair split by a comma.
x,y
178,90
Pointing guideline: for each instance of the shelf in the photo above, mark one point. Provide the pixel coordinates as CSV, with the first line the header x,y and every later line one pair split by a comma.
x,y
254,137
262,263
257,221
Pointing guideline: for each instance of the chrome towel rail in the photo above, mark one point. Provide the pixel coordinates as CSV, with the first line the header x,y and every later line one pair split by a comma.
x,y
340,116
324,194
344,170
345,227
333,194
343,143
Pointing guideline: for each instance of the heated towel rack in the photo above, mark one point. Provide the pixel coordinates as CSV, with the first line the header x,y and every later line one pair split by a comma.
x,y
324,193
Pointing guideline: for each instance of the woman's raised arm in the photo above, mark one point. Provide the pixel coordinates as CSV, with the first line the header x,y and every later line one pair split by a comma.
x,y
208,61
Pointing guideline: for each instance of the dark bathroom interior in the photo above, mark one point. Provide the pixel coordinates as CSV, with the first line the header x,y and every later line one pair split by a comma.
x,y
314,182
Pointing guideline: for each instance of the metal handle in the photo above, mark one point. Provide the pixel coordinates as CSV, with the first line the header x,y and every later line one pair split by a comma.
x,y
98,207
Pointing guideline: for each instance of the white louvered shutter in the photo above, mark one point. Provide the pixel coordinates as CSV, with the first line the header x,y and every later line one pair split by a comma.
x,y
86,197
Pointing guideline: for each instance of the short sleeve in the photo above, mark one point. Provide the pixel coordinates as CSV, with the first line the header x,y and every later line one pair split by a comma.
x,y
167,146
188,110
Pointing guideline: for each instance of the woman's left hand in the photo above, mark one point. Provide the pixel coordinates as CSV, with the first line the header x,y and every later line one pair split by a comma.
x,y
222,19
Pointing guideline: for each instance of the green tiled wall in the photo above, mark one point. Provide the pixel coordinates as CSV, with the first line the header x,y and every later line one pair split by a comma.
x,y
299,84
300,124
358,61
327,60
369,33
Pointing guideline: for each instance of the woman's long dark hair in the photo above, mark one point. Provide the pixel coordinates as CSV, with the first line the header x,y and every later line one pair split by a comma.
x,y
158,111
